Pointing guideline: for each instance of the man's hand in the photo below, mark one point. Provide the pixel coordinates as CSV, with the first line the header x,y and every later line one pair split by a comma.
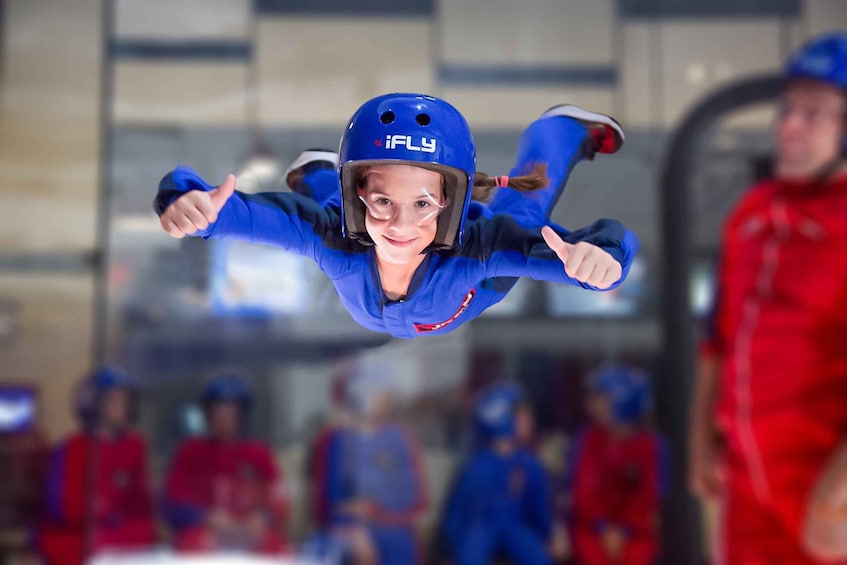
x,y
825,526
706,471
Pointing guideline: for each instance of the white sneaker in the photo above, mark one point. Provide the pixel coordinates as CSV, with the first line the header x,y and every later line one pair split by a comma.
x,y
606,133
322,158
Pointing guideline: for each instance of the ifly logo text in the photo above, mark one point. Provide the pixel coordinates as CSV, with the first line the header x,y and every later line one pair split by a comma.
x,y
399,141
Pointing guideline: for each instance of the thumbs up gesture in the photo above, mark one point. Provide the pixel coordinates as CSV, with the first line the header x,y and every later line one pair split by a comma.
x,y
583,261
196,209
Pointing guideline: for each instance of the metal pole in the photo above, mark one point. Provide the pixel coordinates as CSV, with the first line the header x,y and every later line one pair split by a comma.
x,y
3,38
680,524
101,254
104,201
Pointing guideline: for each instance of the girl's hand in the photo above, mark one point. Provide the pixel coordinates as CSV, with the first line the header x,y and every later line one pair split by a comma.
x,y
584,262
196,209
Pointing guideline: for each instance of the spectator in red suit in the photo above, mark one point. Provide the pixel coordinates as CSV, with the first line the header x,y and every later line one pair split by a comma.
x,y
224,491
98,493
616,469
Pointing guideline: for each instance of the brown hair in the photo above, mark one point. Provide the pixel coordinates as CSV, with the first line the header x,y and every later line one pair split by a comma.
x,y
533,179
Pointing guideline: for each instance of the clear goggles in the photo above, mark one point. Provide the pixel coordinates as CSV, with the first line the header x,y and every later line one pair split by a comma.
x,y
423,211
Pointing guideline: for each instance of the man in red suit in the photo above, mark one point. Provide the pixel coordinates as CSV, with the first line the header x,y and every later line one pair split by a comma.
x,y
98,494
769,419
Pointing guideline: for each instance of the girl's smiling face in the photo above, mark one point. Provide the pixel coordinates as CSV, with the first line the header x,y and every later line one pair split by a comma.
x,y
402,205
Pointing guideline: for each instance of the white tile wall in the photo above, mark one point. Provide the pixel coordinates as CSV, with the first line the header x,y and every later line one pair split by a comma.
x,y
492,107
182,19
181,93
797,31
698,57
317,71
636,75
668,67
825,15
530,32
49,102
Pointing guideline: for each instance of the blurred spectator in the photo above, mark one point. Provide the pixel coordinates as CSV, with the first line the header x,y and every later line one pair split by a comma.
x,y
98,493
374,483
318,458
769,418
500,503
615,473
224,491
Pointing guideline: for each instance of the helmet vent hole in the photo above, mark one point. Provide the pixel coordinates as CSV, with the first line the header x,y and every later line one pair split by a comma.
x,y
387,117
422,119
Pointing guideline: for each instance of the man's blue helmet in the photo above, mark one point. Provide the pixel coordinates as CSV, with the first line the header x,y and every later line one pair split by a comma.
x,y
823,59
408,129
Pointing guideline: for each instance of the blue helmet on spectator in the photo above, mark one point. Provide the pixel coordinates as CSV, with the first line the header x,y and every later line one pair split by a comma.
x,y
823,59
629,392
494,412
228,388
95,385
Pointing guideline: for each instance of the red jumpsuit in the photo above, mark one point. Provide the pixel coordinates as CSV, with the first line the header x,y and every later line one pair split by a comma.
x,y
615,481
780,330
240,479
117,514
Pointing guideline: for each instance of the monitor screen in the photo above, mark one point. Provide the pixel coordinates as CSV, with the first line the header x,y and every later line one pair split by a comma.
x,y
17,408
257,280
630,299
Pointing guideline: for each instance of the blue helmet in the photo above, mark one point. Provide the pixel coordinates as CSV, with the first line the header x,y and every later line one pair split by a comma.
x,y
97,383
107,378
629,392
823,59
413,129
228,388
494,412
